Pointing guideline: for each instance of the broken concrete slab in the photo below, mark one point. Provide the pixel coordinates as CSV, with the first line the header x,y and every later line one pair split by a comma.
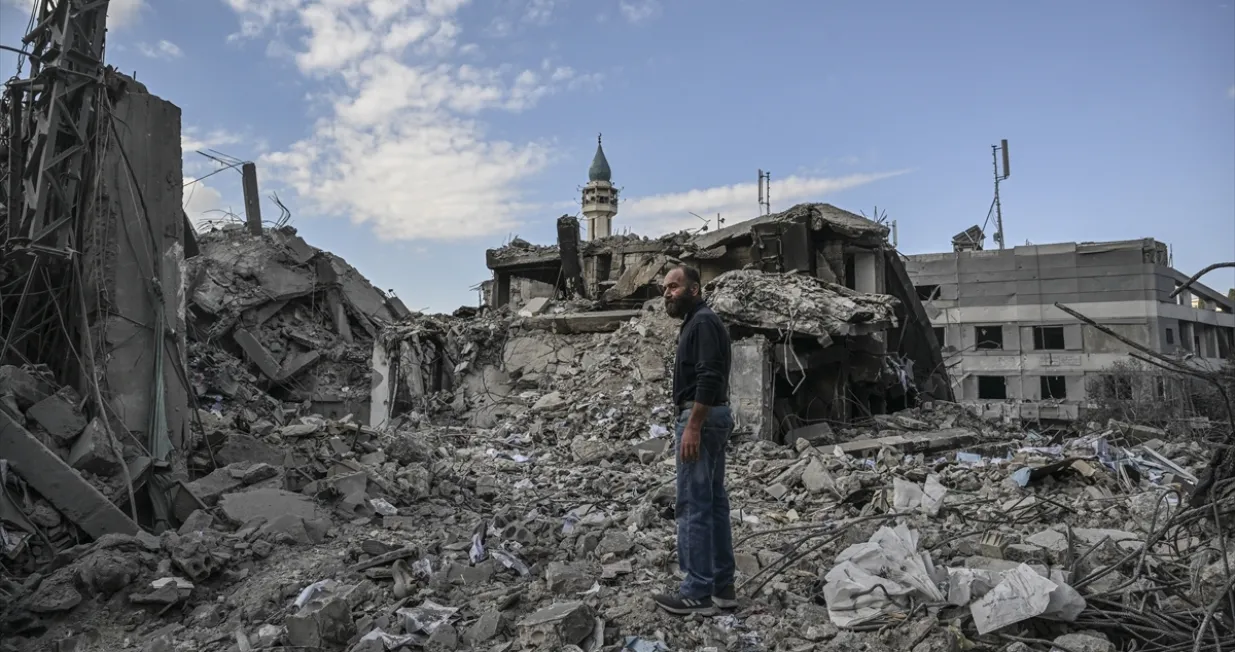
x,y
927,442
207,490
198,521
364,300
59,415
603,321
486,628
324,622
267,504
534,307
301,251
816,434
637,276
565,579
256,353
93,451
550,401
297,364
55,594
650,450
76,499
557,626
280,282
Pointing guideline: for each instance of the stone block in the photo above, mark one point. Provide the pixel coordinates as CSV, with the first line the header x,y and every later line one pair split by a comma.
x,y
486,628
198,521
557,626
816,477
324,623
59,415
93,451
565,579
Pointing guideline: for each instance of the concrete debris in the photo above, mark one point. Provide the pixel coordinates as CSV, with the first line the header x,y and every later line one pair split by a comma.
x,y
799,304
501,481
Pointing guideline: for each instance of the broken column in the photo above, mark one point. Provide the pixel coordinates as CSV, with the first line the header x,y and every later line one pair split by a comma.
x,y
252,200
133,255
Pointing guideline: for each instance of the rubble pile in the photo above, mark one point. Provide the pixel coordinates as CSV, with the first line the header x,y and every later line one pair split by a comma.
x,y
518,495
325,534
518,247
444,368
286,307
795,303
32,405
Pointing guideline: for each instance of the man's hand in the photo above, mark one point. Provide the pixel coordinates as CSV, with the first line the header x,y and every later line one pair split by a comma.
x,y
690,443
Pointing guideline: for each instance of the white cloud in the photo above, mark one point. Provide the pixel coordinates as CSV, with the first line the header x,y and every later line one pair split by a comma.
x,y
164,49
402,146
664,213
202,203
1230,92
193,139
539,11
119,12
637,11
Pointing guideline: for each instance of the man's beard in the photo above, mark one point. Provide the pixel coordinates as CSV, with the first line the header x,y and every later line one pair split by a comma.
x,y
677,308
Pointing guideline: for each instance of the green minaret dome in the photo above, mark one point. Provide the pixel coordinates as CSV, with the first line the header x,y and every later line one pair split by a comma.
x,y
600,165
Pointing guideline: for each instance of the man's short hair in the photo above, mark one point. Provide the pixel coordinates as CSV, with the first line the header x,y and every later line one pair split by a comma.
x,y
691,274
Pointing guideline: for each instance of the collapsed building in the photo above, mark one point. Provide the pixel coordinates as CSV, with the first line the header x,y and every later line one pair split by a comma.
x,y
774,279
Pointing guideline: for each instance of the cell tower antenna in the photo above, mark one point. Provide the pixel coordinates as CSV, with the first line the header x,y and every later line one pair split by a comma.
x,y
999,176
765,193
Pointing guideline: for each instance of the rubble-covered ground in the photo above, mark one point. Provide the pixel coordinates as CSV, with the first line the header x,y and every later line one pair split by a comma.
x,y
529,505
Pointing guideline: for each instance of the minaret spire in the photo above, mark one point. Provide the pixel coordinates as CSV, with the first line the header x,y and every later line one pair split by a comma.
x,y
600,197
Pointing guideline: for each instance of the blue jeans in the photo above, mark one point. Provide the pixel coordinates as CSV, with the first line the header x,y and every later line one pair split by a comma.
x,y
705,538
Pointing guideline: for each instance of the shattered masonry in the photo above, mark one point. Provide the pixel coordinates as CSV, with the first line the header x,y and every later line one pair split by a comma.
x,y
820,284
232,441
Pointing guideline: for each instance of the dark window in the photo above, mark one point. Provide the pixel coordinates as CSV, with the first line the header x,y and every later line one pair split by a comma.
x,y
939,335
993,388
1170,336
927,292
1048,338
988,337
1053,387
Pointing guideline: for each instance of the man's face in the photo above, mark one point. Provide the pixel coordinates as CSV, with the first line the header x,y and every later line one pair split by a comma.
x,y
680,294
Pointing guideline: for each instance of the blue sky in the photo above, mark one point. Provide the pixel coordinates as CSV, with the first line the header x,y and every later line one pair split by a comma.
x,y
409,135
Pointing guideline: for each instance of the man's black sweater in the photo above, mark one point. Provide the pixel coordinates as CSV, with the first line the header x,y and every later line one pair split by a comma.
x,y
701,369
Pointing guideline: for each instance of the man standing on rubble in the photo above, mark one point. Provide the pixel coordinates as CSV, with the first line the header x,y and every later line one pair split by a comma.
x,y
704,423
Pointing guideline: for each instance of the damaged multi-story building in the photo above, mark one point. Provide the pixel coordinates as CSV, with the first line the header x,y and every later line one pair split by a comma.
x,y
1008,347
811,264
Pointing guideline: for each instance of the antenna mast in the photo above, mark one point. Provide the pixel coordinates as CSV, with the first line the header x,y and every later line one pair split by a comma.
x,y
995,150
765,193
